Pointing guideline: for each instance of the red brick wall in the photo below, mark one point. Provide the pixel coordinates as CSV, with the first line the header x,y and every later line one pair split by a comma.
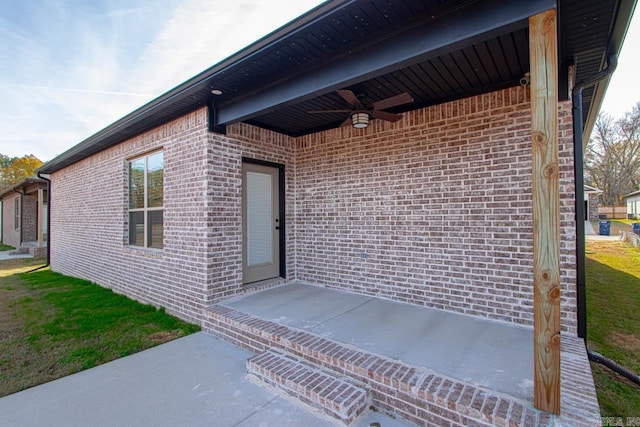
x,y
433,210
30,217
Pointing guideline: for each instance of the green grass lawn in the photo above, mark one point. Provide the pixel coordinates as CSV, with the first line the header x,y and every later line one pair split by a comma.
x,y
52,325
613,322
4,247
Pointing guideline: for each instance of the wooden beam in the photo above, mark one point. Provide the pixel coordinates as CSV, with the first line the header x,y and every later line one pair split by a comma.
x,y
546,210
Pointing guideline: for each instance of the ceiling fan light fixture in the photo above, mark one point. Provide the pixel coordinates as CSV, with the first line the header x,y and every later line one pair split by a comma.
x,y
360,120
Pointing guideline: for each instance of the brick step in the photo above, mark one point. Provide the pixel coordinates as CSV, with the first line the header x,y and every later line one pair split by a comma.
x,y
416,394
324,393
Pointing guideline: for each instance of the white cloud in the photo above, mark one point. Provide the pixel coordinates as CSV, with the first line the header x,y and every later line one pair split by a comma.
x,y
623,91
202,33
71,67
74,74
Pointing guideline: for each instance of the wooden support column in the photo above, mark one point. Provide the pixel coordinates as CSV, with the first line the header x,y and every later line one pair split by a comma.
x,y
543,51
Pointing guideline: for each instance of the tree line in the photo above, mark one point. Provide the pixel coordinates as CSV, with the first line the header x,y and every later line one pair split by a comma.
x,y
612,158
15,169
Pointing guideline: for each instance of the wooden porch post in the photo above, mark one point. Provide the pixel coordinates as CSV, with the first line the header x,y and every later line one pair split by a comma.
x,y
546,210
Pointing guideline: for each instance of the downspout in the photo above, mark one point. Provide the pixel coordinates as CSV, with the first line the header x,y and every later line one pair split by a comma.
x,y
598,358
21,213
578,162
580,234
48,224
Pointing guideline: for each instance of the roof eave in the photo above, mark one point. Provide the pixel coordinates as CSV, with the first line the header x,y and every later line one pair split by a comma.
x,y
21,184
618,35
148,109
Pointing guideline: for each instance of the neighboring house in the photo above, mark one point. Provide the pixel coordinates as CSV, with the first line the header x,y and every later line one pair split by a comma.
x,y
591,203
237,179
633,205
24,216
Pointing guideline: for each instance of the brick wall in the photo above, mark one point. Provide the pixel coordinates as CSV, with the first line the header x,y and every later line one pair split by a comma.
x,y
89,220
224,201
10,235
201,259
30,217
433,210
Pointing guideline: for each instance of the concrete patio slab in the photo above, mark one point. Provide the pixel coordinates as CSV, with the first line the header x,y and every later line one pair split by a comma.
x,y
488,353
193,381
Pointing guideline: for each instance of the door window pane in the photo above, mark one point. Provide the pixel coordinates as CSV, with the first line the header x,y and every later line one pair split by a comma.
x,y
259,220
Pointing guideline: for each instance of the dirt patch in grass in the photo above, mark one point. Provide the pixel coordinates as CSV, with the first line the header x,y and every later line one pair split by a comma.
x,y
164,336
625,341
52,326
12,266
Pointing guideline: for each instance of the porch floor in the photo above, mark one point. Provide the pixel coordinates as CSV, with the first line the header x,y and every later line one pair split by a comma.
x,y
486,354
482,352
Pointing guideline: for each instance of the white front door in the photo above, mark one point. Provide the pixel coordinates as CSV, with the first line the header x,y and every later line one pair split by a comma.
x,y
260,222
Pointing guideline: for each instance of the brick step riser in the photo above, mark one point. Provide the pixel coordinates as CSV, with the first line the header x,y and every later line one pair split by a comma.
x,y
417,395
338,398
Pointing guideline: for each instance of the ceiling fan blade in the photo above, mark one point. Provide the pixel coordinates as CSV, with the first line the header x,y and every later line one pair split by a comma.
x,y
394,101
350,97
347,122
328,111
383,115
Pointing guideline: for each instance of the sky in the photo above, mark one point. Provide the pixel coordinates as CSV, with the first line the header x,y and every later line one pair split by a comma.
x,y
70,68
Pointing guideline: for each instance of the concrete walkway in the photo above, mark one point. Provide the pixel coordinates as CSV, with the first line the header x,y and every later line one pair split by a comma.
x,y
591,234
5,255
193,381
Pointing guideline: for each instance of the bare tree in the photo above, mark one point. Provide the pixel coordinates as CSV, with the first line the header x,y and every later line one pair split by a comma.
x,y
612,159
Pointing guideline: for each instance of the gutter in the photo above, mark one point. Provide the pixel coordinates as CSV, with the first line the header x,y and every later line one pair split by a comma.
x,y
578,162
48,224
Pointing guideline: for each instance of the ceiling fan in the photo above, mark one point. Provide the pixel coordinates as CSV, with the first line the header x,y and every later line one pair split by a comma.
x,y
360,114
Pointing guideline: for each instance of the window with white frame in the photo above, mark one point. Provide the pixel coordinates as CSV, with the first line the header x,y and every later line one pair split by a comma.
x,y
146,188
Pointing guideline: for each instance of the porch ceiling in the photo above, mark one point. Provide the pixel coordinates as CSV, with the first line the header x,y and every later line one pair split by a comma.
x,y
437,50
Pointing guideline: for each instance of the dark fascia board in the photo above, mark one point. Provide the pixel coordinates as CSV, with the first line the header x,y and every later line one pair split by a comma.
x,y
92,145
619,28
477,22
21,184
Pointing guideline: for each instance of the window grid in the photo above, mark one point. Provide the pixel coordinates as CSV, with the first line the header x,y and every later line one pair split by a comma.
x,y
146,210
